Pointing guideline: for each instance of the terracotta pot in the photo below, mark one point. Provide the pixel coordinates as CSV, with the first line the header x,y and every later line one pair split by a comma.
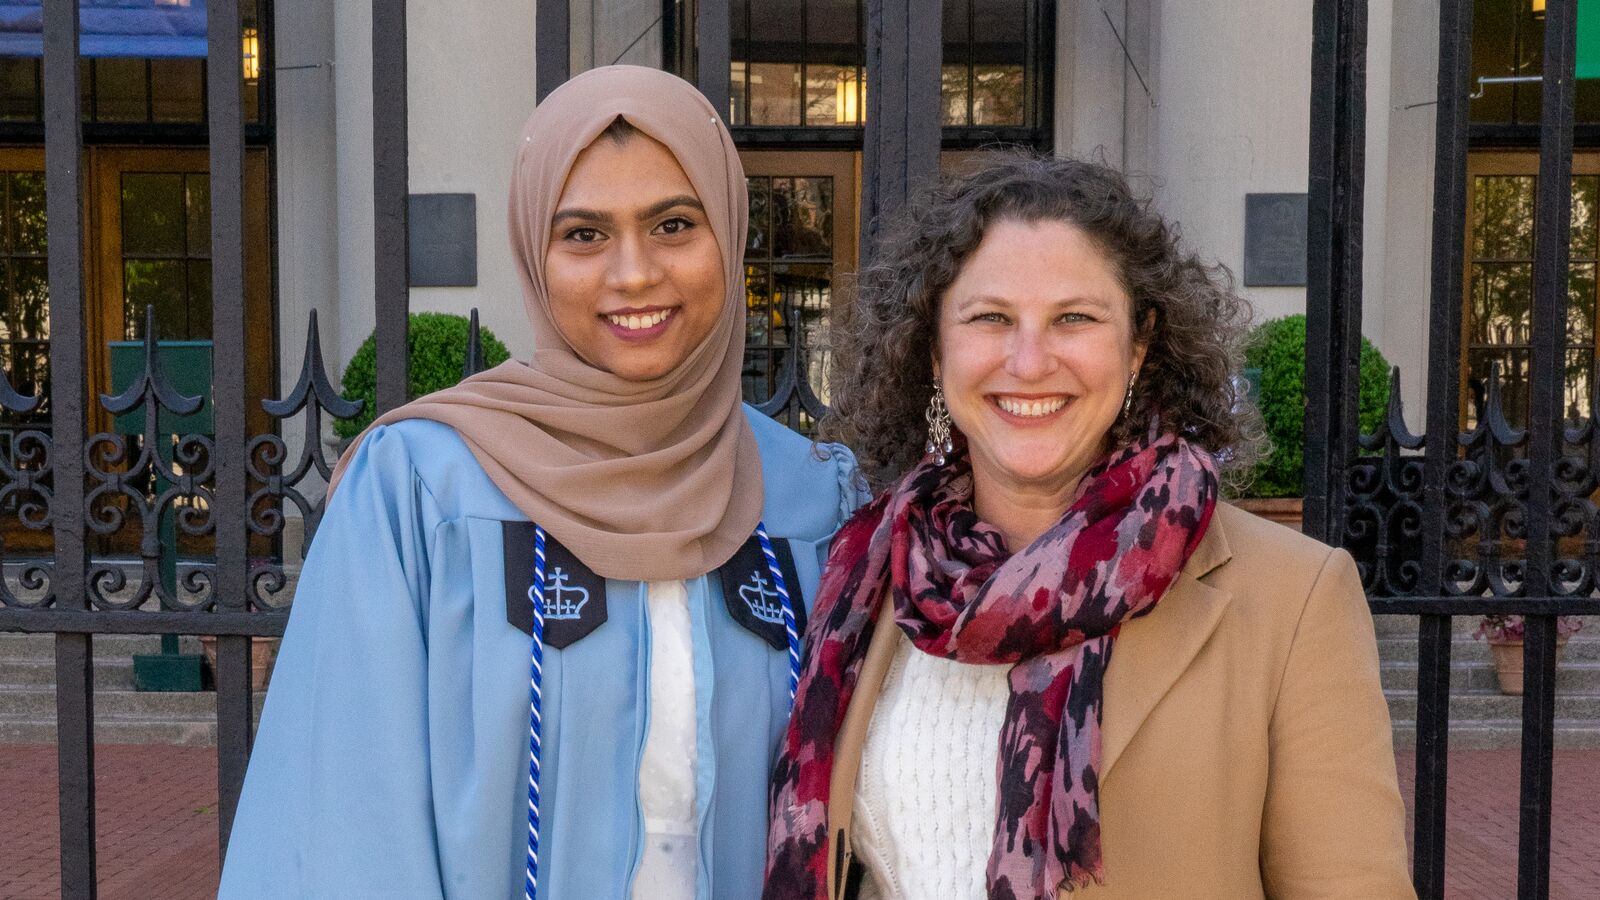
x,y
262,653
1508,663
1283,510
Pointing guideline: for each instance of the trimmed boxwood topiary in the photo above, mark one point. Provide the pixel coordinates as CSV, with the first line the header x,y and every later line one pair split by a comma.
x,y
438,349
1278,349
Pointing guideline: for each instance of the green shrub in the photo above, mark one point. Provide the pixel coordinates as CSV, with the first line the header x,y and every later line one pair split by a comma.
x,y
1278,349
438,351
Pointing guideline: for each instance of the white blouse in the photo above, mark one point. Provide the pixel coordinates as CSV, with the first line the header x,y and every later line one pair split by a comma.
x,y
925,797
668,869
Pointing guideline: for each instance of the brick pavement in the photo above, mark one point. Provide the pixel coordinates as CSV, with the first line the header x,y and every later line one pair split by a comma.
x,y
157,823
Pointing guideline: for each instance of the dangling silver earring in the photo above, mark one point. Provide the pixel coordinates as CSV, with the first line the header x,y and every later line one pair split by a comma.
x,y
1127,399
938,416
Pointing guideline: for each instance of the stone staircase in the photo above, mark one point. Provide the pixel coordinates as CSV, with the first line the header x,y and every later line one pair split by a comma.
x,y
122,715
1480,716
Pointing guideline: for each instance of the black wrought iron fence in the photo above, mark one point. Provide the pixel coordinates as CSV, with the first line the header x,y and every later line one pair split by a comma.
x,y
1496,518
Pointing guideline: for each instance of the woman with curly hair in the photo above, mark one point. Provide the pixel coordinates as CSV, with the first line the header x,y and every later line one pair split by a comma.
x,y
1046,658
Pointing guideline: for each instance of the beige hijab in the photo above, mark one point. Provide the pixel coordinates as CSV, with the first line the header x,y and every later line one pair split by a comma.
x,y
642,480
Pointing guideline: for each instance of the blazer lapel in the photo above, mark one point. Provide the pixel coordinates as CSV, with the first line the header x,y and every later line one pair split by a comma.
x,y
1150,653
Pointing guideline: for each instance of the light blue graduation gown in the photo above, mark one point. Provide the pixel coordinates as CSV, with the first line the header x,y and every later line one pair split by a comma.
x,y
392,758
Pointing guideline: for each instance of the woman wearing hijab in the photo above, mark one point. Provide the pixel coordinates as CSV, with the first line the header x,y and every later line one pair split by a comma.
x,y
544,642
1046,660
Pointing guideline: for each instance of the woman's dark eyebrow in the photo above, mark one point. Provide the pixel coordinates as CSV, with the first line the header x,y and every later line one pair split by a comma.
x,y
662,206
582,215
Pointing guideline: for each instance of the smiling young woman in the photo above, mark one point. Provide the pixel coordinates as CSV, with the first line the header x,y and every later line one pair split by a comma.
x,y
1046,658
556,601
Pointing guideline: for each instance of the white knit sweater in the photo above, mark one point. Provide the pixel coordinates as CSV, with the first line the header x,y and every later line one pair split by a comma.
x,y
925,798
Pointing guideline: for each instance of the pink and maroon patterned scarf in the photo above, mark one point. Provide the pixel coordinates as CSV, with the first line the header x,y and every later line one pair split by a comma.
x,y
1050,611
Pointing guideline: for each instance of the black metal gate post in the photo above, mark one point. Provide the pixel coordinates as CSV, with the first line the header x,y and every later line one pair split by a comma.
x,y
390,177
1333,265
901,141
225,115
63,147
1552,229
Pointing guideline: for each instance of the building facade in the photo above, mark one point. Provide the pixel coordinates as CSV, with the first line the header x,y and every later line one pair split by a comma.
x,y
1202,102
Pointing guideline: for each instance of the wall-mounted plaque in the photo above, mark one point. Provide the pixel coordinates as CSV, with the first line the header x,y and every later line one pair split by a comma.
x,y
443,234
1275,240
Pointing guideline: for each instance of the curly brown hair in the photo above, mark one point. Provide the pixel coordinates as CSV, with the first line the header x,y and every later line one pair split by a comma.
x,y
1186,311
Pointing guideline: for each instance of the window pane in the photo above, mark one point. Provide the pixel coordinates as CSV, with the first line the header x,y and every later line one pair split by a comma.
x,y
1585,191
774,94
1502,217
1513,377
153,215
997,95
197,211
957,30
758,305
160,283
197,320
1579,380
758,241
803,217
1580,303
177,92
1493,45
120,91
19,89
831,35
738,93
775,25
1501,300
806,290
832,95
27,309
998,27
25,225
953,92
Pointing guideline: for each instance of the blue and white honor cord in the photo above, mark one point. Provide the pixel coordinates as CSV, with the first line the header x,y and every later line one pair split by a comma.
x,y
536,678
535,716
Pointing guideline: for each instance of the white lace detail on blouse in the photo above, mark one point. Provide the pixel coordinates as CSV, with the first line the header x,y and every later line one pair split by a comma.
x,y
669,867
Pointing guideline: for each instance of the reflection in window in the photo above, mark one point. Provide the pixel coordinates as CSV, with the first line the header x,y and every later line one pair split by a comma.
x,y
166,253
789,282
1499,314
797,63
986,73
24,293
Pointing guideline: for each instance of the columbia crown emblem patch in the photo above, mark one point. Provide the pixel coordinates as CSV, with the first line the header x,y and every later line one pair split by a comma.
x,y
561,600
752,597
764,602
574,597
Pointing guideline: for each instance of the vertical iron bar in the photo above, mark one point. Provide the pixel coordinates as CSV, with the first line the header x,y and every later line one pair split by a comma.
x,y
63,148
1333,263
1552,230
552,51
713,52
391,289
901,142
225,118
1443,426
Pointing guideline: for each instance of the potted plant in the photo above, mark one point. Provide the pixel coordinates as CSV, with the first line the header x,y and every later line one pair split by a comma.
x,y
437,350
1275,360
263,651
1504,634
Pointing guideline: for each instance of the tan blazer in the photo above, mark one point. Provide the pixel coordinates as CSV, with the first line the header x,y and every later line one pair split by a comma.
x,y
1246,749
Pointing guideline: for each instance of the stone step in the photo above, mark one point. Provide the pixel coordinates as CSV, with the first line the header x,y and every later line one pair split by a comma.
x,y
1581,648
40,703
109,674
18,647
1486,707
1503,734
1571,677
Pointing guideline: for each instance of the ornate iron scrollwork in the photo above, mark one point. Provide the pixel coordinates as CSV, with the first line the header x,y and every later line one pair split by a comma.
x,y
121,476
25,470
266,454
1384,502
